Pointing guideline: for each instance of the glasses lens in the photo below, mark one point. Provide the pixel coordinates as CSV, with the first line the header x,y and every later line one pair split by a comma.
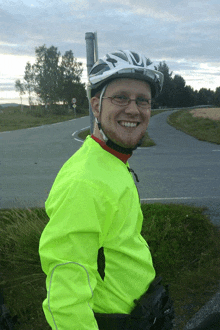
x,y
143,103
120,100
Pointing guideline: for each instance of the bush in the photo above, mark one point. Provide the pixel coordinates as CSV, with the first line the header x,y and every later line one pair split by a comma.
x,y
59,110
38,111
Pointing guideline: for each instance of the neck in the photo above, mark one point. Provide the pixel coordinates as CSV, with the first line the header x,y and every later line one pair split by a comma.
x,y
122,156
116,147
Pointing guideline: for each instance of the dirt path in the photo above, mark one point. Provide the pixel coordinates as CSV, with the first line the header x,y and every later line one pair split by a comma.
x,y
212,113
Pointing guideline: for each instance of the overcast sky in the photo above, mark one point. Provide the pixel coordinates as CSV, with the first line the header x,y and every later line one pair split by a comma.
x,y
185,34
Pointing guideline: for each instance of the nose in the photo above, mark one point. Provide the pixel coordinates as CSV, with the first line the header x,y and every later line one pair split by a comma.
x,y
132,107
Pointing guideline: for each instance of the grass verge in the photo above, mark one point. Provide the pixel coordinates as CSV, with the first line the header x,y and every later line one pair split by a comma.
x,y
13,119
203,129
184,244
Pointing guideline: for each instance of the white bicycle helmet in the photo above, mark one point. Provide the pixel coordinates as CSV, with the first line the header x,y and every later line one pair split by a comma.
x,y
123,64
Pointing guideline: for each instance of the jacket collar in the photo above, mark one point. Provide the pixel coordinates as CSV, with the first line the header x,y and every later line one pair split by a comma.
x,y
123,157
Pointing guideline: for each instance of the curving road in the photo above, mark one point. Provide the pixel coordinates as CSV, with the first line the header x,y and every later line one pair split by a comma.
x,y
178,169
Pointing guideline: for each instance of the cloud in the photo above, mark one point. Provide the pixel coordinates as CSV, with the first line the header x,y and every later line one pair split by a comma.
x,y
158,26
170,30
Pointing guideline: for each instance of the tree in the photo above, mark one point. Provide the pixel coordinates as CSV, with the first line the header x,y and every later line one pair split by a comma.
x,y
29,78
217,97
70,74
183,95
189,97
205,96
46,72
178,91
165,98
19,87
179,82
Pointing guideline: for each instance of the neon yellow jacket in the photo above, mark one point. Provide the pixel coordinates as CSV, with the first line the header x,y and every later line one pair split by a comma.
x,y
93,206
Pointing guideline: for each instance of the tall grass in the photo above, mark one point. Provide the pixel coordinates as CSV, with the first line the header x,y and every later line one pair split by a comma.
x,y
184,244
185,247
21,276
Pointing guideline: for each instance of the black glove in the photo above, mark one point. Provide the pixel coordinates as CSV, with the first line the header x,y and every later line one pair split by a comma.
x,y
154,310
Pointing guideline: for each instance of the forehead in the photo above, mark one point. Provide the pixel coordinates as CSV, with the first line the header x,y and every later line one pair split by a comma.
x,y
129,86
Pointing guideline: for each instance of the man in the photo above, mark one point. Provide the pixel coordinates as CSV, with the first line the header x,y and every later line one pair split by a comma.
x,y
96,261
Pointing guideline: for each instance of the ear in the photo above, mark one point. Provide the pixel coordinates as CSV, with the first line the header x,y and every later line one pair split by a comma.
x,y
95,106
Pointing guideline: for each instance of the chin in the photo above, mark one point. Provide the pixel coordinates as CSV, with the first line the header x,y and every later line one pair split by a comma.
x,y
132,144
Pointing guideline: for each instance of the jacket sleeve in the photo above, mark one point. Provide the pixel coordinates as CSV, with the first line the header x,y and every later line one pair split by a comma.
x,y
68,252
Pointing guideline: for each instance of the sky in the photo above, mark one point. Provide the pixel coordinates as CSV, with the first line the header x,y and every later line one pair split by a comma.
x,y
183,33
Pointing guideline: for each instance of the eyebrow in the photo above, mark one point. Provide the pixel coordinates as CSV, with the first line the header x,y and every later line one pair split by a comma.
x,y
126,92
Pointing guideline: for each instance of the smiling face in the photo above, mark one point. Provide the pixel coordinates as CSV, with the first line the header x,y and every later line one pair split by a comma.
x,y
114,116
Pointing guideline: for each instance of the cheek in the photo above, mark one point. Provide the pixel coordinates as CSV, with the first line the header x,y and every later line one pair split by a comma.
x,y
109,118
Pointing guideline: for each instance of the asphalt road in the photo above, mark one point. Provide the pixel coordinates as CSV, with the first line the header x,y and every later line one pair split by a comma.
x,y
178,169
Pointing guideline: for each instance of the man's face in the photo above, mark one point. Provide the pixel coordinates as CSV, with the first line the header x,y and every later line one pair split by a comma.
x,y
113,115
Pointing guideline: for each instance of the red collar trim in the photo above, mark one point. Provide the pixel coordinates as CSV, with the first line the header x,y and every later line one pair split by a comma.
x,y
123,157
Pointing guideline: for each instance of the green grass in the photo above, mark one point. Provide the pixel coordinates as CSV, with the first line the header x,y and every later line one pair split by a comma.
x,y
203,129
183,242
13,119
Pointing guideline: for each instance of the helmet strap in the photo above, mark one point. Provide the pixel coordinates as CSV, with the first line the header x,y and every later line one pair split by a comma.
x,y
100,107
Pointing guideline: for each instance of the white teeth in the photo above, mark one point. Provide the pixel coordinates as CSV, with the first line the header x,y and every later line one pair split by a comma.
x,y
124,123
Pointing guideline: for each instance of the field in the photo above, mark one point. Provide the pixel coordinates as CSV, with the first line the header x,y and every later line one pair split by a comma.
x,y
211,113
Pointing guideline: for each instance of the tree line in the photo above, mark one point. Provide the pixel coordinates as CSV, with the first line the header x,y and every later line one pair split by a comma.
x,y
56,79
176,94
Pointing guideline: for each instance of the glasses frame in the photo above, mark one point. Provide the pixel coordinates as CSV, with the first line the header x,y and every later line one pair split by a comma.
x,y
128,102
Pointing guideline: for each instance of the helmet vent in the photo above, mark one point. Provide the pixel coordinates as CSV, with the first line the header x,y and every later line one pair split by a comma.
x,y
112,60
99,68
121,55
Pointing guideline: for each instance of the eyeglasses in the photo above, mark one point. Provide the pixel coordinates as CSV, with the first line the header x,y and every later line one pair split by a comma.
x,y
122,100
